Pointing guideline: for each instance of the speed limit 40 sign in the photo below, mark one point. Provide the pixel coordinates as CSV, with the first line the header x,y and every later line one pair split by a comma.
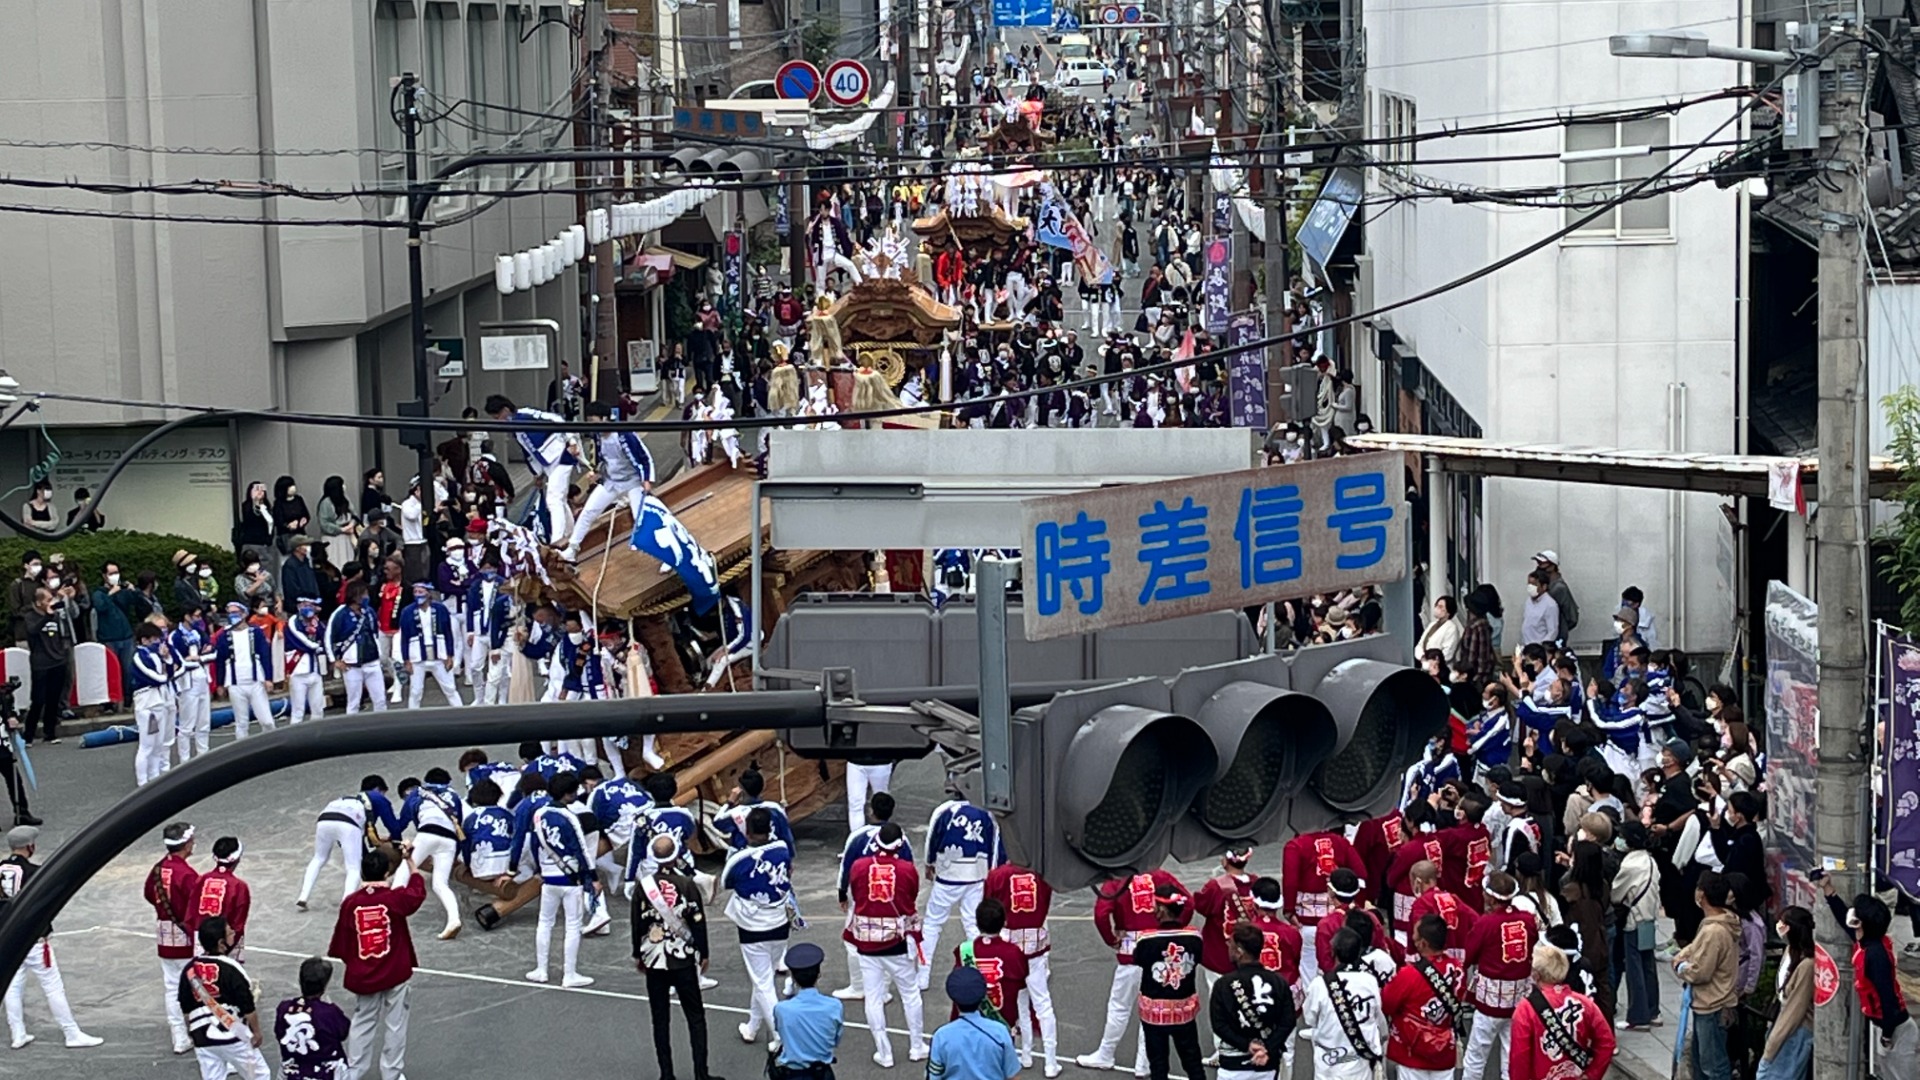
x,y
847,82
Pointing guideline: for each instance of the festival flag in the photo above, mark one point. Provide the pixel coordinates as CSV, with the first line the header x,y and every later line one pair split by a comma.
x,y
661,535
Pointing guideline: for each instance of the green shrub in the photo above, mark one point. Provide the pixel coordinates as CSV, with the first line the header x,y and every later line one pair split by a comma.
x,y
134,551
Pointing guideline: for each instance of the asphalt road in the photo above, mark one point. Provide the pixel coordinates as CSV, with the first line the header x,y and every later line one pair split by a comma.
x,y
470,1004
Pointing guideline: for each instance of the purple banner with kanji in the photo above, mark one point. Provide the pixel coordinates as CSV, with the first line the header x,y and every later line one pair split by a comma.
x,y
1216,290
1900,743
1247,372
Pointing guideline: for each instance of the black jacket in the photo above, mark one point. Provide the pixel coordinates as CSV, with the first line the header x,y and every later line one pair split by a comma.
x,y
1251,1004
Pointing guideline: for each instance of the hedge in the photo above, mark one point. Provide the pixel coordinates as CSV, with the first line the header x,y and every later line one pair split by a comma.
x,y
134,551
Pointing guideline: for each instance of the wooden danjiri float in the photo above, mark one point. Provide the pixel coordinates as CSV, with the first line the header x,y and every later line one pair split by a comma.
x,y
619,583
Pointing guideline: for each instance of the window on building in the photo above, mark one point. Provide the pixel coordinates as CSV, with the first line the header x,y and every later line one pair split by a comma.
x,y
480,88
1595,180
552,39
393,50
442,22
1396,124
515,29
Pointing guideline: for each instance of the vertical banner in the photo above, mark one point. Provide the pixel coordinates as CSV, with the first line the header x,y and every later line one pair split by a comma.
x,y
735,268
1216,290
1247,372
782,220
1222,213
1900,743
1792,708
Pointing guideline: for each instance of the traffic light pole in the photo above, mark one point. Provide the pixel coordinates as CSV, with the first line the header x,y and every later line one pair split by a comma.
x,y
991,579
416,284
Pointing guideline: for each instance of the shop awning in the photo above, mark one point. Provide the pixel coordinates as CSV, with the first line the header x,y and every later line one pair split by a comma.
x,y
670,258
1722,474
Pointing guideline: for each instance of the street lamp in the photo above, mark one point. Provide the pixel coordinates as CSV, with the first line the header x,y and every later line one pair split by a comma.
x,y
1799,90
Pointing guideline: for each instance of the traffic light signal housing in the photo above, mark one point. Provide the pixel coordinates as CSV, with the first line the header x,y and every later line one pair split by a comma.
x,y
1115,779
1099,778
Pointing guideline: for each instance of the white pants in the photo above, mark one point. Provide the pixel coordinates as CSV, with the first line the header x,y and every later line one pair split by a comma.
x,y
473,659
498,674
371,1013
417,682
1406,1073
441,850
1487,1030
170,971
1122,999
240,1058
153,717
1040,995
761,958
306,694
40,961
940,904
560,515
554,901
1270,1074
365,679
391,660
249,701
862,781
328,835
1309,958
193,717
898,973
599,501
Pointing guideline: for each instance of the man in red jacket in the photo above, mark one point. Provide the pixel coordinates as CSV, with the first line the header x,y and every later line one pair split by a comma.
x,y
222,893
1421,1004
372,941
1376,840
1123,909
999,961
173,886
1467,850
1223,902
1558,1032
884,929
1027,901
1424,846
1305,864
1500,957
1430,899
1346,888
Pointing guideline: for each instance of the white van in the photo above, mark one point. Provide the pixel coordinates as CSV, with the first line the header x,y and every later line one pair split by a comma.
x,y
1074,46
1078,73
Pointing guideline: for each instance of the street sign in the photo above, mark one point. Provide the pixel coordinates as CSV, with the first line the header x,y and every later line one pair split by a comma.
x,y
718,122
848,82
1110,15
797,79
1145,552
1216,289
1022,12
1130,13
1119,14
1065,21
1247,372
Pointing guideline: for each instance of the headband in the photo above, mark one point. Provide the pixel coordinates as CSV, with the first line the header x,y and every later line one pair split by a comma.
x,y
1269,905
893,845
1239,857
185,839
1177,900
1361,883
1498,895
239,850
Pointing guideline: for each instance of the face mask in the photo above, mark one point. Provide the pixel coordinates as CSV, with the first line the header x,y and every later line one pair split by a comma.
x,y
1713,704
33,569
456,556
307,612
253,568
1533,590
113,579
576,637
234,618
206,571
1619,627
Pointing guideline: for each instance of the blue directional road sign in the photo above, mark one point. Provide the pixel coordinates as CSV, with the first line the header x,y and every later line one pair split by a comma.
x,y
1023,13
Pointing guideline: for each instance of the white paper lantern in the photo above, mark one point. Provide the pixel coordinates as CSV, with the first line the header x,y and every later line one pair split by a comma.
x,y
577,240
503,274
597,226
523,270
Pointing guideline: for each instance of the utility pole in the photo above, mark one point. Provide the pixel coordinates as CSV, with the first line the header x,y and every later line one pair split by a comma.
x,y
420,438
1280,42
604,362
1839,541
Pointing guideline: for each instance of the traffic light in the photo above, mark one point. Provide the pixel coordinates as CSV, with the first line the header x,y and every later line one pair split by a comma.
x,y
1267,740
1099,777
1115,779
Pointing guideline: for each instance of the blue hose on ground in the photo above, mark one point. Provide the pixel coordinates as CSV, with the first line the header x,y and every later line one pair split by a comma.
x,y
125,733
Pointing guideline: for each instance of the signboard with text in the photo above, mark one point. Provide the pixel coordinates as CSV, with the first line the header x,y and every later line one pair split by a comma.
x,y
1141,553
1247,371
1022,12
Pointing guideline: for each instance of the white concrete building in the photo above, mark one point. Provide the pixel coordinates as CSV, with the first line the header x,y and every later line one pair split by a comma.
x,y
246,315
1626,333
